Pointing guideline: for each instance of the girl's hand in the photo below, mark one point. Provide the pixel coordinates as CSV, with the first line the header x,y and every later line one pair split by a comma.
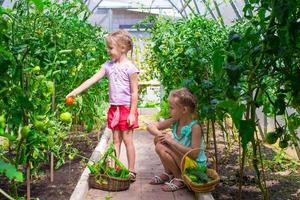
x,y
131,119
164,138
71,94
168,138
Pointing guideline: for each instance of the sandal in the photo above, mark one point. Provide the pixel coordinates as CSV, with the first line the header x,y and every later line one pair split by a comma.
x,y
157,180
171,186
132,176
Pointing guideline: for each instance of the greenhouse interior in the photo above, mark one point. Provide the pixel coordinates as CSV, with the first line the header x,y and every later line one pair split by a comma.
x,y
152,99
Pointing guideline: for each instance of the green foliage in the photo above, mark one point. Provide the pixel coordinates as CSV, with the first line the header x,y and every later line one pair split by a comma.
x,y
280,162
151,104
10,171
246,131
164,111
46,49
236,70
263,61
103,167
198,174
283,144
271,138
189,52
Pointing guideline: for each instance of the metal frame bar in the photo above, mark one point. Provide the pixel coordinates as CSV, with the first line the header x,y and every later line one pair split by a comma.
x,y
181,1
197,8
235,9
219,12
183,10
97,5
86,14
209,9
135,7
184,5
188,5
110,20
172,3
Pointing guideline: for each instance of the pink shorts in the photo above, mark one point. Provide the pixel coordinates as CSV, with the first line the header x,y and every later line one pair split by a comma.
x,y
117,118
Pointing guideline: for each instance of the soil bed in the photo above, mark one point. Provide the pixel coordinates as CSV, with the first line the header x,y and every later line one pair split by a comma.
x,y
282,185
67,176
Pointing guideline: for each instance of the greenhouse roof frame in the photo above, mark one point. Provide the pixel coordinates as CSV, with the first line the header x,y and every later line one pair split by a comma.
x,y
181,8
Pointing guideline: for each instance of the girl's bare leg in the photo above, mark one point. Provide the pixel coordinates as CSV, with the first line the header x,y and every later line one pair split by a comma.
x,y
130,149
117,138
169,159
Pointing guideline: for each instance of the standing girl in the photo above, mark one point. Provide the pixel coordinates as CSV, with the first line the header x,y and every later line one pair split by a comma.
x,y
186,135
123,93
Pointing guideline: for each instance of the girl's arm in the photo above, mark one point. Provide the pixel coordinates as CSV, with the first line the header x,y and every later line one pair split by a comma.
x,y
196,135
134,98
96,77
134,92
156,127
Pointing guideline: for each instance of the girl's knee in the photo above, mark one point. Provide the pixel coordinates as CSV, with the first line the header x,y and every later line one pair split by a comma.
x,y
155,140
159,148
117,141
127,136
117,137
128,142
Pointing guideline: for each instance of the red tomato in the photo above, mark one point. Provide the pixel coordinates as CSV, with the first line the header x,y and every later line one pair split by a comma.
x,y
69,101
118,168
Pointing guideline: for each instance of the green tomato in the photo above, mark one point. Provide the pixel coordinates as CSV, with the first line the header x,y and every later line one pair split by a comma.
x,y
78,52
279,131
39,125
36,69
25,130
66,117
2,121
283,144
271,137
50,87
71,157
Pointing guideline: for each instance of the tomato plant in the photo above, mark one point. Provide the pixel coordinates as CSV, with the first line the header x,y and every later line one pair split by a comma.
x,y
37,57
236,70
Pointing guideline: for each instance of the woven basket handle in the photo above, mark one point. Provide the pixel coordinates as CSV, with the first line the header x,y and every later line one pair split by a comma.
x,y
195,149
183,162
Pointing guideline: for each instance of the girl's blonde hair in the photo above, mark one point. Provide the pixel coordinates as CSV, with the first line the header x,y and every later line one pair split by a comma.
x,y
122,38
185,98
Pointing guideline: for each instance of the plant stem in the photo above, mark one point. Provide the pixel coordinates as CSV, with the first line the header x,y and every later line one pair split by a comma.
x,y
6,195
215,143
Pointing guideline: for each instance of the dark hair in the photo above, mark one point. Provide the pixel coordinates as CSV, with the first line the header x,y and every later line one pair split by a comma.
x,y
185,98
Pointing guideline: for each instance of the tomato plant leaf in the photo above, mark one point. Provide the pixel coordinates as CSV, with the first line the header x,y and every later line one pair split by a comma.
x,y
234,110
10,171
218,61
39,4
246,131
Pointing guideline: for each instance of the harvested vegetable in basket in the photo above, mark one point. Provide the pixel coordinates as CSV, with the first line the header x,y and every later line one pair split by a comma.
x,y
102,166
197,174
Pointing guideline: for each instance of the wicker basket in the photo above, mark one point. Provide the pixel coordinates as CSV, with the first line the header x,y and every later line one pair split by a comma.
x,y
196,187
108,183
